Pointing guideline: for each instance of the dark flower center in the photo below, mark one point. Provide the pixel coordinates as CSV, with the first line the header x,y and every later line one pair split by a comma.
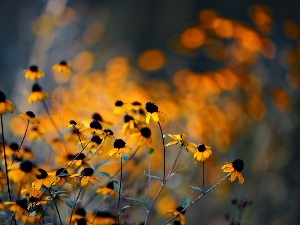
x,y
14,146
70,156
97,116
127,118
26,166
81,221
63,63
80,211
30,114
151,107
119,103
109,132
238,165
119,143
201,148
73,122
2,97
146,132
27,149
22,203
33,68
36,88
176,222
136,103
43,174
79,156
95,125
62,172
96,139
179,209
87,172
33,199
110,184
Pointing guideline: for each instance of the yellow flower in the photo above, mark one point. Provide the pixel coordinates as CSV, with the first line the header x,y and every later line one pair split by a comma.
x,y
102,218
78,214
202,152
43,179
34,198
119,148
142,137
37,94
152,112
129,125
30,116
62,67
121,107
94,128
5,105
19,207
23,172
33,73
86,176
60,175
235,168
181,139
108,189
180,218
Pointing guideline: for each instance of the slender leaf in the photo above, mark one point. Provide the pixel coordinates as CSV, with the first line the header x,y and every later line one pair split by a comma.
x,y
141,201
124,207
197,189
186,201
172,174
117,187
152,176
151,150
69,202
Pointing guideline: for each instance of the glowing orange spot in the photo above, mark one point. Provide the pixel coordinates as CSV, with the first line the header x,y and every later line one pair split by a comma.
x,y
166,203
94,33
282,99
152,60
223,27
180,78
206,16
84,61
43,25
248,38
117,68
256,107
215,49
66,17
261,16
291,29
193,37
269,48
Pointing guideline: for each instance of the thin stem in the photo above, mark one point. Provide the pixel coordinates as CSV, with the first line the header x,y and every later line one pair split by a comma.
x,y
55,205
61,103
77,132
149,178
200,196
120,187
73,208
163,142
162,186
20,144
103,199
52,121
202,175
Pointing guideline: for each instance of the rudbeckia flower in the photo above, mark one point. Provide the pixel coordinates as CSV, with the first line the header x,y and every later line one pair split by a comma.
x,y
62,67
34,198
33,73
152,112
37,94
73,124
60,175
119,149
29,116
202,152
43,179
86,176
136,106
82,221
35,132
181,140
26,153
235,168
129,125
78,214
142,137
19,208
23,172
180,218
5,105
94,128
108,189
121,107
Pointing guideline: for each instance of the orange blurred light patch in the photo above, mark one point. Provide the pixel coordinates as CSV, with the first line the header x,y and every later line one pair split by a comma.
x,y
291,29
223,27
261,16
193,37
256,107
206,16
282,99
84,61
151,60
94,33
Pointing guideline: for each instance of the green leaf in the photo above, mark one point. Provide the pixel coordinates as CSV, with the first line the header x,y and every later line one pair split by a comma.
x,y
124,207
197,189
172,174
33,213
151,150
69,202
152,176
141,201
186,201
103,173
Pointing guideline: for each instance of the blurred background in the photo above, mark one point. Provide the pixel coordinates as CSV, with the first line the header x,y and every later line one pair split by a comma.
x,y
226,72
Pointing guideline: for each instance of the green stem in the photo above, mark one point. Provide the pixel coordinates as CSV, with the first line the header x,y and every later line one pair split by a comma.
x,y
163,142
55,205
120,188
21,143
73,208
